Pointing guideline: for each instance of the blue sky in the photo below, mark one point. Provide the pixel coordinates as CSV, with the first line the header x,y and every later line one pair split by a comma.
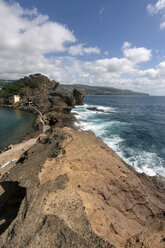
x,y
98,42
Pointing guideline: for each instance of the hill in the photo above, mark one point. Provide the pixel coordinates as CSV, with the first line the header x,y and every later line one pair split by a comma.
x,y
98,90
27,86
38,83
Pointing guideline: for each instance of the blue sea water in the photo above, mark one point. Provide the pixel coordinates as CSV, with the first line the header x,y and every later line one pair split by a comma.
x,y
133,126
14,126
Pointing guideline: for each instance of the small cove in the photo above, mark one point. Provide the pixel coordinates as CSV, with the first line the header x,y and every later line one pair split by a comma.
x,y
15,125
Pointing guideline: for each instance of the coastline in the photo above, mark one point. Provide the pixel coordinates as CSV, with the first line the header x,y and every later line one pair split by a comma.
x,y
67,188
97,193
132,134
30,135
13,154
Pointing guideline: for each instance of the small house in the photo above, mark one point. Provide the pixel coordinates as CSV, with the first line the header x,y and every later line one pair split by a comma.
x,y
14,99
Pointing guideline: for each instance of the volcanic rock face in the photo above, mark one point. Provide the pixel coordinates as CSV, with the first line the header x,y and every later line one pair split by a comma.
x,y
40,94
76,192
55,106
28,86
78,96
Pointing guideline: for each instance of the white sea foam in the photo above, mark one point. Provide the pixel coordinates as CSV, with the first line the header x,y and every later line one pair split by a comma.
x,y
142,161
105,108
146,162
96,128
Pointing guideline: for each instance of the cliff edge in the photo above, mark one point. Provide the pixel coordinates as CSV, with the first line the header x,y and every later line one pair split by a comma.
x,y
40,95
72,190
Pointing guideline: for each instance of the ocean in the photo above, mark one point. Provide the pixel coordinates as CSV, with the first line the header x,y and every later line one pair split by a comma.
x,y
14,126
133,126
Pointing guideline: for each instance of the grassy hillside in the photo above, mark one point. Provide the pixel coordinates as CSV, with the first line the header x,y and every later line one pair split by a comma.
x,y
96,90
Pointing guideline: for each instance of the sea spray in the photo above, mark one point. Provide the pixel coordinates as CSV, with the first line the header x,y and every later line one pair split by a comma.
x,y
133,126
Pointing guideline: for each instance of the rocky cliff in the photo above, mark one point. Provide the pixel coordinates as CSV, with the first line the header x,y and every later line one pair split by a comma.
x,y
54,105
39,94
28,86
78,96
72,190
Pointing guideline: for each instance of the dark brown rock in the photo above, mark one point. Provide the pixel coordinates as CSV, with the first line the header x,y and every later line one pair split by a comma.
x,y
78,96
96,109
42,97
55,106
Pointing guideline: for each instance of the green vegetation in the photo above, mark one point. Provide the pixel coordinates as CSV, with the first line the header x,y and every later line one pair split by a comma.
x,y
97,90
26,86
3,83
38,83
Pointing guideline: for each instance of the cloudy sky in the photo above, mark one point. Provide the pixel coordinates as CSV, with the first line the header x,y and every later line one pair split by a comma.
x,y
96,42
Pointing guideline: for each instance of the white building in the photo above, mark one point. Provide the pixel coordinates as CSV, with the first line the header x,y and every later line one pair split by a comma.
x,y
14,99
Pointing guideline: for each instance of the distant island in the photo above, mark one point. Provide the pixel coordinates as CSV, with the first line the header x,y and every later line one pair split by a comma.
x,y
98,90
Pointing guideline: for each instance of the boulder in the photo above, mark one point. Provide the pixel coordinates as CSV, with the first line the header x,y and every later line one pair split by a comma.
x,y
96,109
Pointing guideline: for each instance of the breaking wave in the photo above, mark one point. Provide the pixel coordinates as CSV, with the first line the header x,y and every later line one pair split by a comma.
x,y
116,133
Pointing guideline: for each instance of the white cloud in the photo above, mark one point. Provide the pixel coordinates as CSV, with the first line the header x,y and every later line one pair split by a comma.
x,y
76,50
106,53
155,8
126,45
81,50
27,31
162,25
136,55
90,50
113,66
159,7
30,40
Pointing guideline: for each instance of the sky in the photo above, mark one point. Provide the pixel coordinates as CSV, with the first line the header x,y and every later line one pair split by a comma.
x,y
111,43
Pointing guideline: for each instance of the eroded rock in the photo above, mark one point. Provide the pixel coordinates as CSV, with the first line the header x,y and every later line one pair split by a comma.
x,y
78,96
51,214
96,109
79,193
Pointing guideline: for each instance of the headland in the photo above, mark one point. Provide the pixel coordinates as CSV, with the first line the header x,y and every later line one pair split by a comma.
x,y
69,189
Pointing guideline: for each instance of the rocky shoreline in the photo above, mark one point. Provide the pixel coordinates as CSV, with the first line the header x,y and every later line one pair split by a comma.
x,y
51,107
71,190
